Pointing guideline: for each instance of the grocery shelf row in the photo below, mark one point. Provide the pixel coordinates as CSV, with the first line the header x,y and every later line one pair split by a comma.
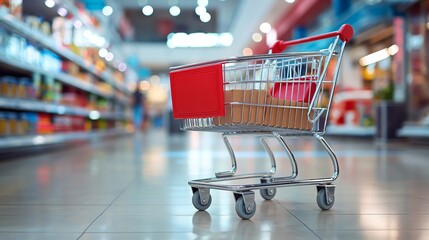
x,y
64,78
357,131
9,144
414,131
39,106
50,94
18,27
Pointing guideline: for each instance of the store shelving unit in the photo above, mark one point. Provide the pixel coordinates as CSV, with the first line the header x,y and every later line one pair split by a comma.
x,y
39,106
414,131
11,144
356,131
38,38
35,37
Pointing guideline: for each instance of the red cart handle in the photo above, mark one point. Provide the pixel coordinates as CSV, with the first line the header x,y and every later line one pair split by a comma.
x,y
345,33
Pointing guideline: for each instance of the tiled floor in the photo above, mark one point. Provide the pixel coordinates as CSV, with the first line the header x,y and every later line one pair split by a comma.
x,y
135,187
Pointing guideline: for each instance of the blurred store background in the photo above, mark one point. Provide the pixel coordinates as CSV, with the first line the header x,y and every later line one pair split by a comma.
x,y
70,68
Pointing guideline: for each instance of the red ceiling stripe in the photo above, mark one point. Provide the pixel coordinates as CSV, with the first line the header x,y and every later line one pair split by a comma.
x,y
298,14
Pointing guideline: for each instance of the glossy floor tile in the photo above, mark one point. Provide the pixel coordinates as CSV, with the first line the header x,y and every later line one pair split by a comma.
x,y
135,187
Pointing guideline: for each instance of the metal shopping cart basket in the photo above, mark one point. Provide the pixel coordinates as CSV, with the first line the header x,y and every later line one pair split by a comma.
x,y
275,95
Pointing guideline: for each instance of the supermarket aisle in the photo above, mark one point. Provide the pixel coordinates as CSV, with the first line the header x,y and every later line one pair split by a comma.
x,y
136,188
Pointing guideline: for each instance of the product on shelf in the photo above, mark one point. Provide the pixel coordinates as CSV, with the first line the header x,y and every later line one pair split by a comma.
x,y
37,82
33,21
5,3
12,123
14,7
104,87
62,123
100,65
17,123
62,30
45,28
29,122
24,126
118,76
51,61
74,97
3,123
29,88
57,92
6,87
33,56
70,68
88,125
47,89
44,124
15,46
92,101
43,64
78,123
101,124
86,77
21,88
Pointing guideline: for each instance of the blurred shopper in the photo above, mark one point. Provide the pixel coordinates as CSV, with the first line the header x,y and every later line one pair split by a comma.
x,y
138,108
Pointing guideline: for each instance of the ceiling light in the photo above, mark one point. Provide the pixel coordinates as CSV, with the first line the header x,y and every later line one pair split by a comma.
x,y
226,39
203,3
109,56
147,10
205,17
265,27
392,50
257,37
77,24
199,40
103,52
271,37
174,11
290,1
107,11
144,85
94,115
122,67
200,10
50,3
247,52
62,12
379,55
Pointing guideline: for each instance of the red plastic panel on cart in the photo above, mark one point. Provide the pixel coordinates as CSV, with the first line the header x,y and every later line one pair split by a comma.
x,y
198,92
298,92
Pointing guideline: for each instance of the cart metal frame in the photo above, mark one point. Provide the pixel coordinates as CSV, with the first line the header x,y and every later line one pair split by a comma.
x,y
315,114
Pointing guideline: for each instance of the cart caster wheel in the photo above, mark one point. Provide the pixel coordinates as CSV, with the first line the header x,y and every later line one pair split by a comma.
x,y
241,210
196,201
322,201
268,193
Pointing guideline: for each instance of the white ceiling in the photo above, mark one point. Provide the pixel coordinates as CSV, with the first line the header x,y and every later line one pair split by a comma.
x,y
225,9
245,19
164,3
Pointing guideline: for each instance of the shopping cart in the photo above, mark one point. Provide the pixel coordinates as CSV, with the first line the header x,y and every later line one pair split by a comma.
x,y
274,95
